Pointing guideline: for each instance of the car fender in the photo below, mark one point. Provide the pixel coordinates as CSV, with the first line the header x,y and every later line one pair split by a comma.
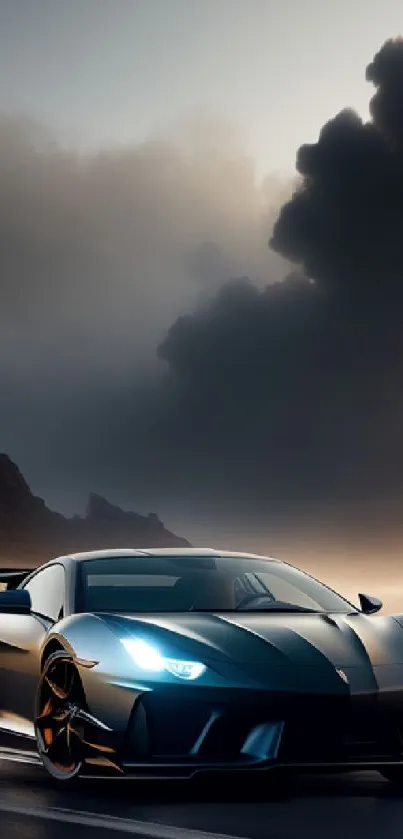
x,y
102,666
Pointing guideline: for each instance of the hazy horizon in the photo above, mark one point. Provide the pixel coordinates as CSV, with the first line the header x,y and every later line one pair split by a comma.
x,y
148,154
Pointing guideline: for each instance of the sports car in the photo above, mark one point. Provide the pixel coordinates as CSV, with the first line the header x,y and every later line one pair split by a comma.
x,y
169,663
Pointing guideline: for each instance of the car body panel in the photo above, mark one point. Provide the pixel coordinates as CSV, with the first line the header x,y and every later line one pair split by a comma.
x,y
21,639
279,688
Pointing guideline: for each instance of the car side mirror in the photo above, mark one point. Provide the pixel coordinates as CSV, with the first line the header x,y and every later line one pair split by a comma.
x,y
369,605
14,602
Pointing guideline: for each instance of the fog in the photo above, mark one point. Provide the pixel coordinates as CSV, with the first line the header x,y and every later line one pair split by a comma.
x,y
97,250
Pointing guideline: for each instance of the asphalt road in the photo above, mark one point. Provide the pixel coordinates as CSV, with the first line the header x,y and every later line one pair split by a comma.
x,y
335,807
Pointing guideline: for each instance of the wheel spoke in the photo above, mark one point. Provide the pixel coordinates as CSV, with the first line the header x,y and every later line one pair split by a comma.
x,y
47,720
46,712
68,738
48,736
84,716
97,746
56,740
68,678
61,679
56,690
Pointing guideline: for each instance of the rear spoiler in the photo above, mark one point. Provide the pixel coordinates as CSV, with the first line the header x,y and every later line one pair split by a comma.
x,y
12,577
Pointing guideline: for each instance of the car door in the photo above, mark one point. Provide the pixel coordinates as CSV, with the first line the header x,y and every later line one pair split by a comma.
x,y
21,638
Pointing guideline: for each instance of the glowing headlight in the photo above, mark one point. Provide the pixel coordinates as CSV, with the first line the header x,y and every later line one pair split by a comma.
x,y
149,658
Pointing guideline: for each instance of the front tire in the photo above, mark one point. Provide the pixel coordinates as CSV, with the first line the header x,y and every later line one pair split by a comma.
x,y
68,737
59,685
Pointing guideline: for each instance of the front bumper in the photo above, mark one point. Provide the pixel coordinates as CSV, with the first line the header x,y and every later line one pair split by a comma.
x,y
180,733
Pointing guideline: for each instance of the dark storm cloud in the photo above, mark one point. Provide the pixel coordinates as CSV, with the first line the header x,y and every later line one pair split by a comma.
x,y
344,224
386,73
286,400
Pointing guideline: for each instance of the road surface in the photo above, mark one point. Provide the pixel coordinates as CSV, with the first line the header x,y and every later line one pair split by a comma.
x,y
319,807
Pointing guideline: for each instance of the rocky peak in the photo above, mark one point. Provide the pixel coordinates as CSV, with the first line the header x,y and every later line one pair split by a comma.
x,y
11,479
99,508
15,494
30,532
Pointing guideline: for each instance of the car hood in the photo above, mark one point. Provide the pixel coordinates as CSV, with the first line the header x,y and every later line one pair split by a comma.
x,y
261,640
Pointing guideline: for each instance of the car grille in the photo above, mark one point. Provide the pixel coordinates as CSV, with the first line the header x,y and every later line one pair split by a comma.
x,y
348,739
315,729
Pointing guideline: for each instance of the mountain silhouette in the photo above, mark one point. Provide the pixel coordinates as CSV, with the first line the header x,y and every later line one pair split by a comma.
x,y
31,533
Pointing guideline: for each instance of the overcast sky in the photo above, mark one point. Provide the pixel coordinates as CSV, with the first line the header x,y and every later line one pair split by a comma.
x,y
130,134
112,71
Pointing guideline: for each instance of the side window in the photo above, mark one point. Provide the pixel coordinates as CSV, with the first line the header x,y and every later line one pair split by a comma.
x,y
47,592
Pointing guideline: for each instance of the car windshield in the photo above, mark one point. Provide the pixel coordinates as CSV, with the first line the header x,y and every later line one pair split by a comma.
x,y
203,584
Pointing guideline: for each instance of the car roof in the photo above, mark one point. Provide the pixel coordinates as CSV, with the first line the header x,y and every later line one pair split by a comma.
x,y
129,552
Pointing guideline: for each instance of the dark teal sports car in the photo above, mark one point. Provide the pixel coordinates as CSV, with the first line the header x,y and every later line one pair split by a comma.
x,y
168,663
